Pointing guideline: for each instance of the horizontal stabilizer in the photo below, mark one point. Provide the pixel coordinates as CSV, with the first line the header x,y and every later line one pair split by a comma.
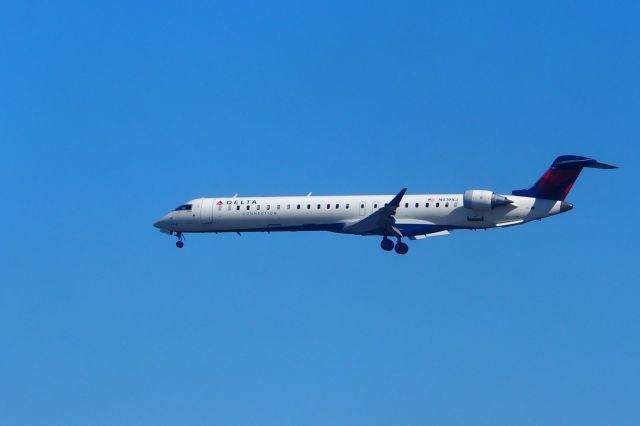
x,y
574,162
599,165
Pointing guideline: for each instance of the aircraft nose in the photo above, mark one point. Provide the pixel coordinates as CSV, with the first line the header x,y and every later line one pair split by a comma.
x,y
161,223
565,207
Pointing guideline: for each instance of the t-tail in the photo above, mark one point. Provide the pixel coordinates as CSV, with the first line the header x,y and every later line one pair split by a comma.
x,y
556,183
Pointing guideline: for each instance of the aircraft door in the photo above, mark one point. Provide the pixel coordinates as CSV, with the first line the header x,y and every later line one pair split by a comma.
x,y
206,211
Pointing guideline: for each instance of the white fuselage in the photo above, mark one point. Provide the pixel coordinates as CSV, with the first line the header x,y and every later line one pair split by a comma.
x,y
413,216
417,215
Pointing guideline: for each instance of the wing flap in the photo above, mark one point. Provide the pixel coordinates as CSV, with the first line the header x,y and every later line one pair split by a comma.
x,y
433,234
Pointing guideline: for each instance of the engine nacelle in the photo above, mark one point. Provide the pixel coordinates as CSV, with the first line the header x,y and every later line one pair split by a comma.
x,y
479,199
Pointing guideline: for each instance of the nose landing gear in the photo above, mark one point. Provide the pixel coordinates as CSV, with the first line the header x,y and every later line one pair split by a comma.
x,y
180,242
400,247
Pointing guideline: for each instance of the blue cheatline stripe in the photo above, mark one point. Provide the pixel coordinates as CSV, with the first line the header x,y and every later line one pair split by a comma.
x,y
406,229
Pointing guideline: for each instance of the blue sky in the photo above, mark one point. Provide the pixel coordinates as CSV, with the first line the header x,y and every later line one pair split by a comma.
x,y
113,113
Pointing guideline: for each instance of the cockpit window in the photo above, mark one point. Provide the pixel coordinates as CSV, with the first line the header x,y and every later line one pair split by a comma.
x,y
184,207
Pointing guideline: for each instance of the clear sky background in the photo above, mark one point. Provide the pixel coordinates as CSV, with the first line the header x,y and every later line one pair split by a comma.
x,y
113,113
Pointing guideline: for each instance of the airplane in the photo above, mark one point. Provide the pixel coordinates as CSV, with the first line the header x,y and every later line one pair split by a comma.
x,y
414,216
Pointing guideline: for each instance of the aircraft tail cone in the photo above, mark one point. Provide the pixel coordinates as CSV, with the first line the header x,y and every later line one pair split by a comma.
x,y
565,207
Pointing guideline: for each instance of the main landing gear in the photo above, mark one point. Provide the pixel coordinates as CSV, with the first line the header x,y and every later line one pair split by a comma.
x,y
387,245
180,242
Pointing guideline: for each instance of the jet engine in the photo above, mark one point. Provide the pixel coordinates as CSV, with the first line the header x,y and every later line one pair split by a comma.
x,y
479,199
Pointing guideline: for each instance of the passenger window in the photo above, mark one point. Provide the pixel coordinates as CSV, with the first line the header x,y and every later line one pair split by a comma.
x,y
308,206
375,205
346,206
337,206
427,205
362,206
258,207
328,206
417,205
238,208
446,204
278,207
248,207
268,206
437,204
318,206
406,205
298,207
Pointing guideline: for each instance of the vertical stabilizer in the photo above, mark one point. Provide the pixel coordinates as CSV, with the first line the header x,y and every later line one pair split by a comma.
x,y
556,183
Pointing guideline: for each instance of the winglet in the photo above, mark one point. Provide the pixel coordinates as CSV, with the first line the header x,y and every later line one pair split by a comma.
x,y
396,200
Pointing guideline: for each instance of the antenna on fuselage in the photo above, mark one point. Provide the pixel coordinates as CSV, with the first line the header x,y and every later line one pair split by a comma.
x,y
235,195
309,194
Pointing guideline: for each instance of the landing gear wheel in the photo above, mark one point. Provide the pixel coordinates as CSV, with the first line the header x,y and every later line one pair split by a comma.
x,y
386,244
179,243
401,248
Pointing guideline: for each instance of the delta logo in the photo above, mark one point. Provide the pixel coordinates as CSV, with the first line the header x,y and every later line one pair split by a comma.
x,y
234,201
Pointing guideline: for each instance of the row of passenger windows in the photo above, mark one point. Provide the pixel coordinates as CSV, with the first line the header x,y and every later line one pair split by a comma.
x,y
328,206
288,207
426,205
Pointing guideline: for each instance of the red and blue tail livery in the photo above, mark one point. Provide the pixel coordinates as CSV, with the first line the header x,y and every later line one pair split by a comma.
x,y
411,216
556,183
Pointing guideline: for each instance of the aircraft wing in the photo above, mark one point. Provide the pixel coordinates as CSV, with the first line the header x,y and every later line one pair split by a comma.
x,y
380,222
